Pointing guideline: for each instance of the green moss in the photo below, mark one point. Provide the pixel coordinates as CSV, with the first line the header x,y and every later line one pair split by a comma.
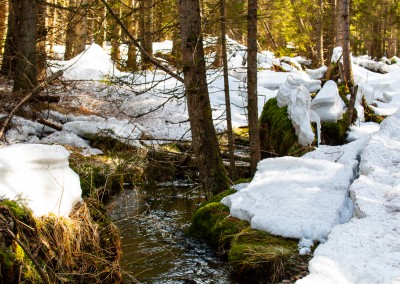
x,y
335,133
18,211
277,135
369,114
259,255
205,219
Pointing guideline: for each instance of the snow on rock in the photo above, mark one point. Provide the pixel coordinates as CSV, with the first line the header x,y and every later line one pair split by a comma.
x,y
39,175
317,73
328,104
367,249
296,96
295,197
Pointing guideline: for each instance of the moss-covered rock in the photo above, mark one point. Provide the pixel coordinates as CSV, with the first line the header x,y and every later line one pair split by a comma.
x,y
277,135
256,255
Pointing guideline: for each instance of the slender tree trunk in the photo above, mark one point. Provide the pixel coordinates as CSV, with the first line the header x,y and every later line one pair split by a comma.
x,y
204,139
25,76
115,46
339,23
347,71
80,28
320,34
254,133
69,41
9,58
132,51
41,42
232,165
3,23
52,21
145,27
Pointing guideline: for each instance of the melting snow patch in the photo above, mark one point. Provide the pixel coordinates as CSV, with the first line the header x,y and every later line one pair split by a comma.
x,y
39,175
295,197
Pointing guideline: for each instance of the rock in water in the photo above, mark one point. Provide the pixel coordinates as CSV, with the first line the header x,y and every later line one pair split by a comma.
x,y
40,176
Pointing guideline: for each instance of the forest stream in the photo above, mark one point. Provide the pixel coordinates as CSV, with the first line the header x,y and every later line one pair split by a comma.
x,y
155,249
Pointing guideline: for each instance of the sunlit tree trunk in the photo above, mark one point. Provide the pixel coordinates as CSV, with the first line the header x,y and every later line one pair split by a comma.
x,y
204,139
254,133
3,24
9,58
117,34
145,26
80,28
52,21
25,70
69,41
320,34
132,51
232,166
347,71
339,23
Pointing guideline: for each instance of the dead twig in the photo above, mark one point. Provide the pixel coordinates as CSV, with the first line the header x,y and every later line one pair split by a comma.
x,y
32,93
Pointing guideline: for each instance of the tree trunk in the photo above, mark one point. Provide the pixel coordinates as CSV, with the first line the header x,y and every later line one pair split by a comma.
x,y
69,40
347,71
145,26
204,139
339,23
80,28
252,107
132,51
25,77
117,34
41,42
52,21
232,166
3,23
9,58
320,34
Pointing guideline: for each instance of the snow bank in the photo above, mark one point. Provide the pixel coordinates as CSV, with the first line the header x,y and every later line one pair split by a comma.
x,y
328,104
367,249
92,64
295,197
39,175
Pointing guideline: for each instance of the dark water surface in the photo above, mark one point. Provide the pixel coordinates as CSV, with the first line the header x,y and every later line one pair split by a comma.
x,y
155,248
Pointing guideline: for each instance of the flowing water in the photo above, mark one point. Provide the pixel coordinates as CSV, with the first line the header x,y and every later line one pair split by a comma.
x,y
154,245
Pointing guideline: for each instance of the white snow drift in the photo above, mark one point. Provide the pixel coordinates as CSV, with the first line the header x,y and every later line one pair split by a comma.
x,y
39,176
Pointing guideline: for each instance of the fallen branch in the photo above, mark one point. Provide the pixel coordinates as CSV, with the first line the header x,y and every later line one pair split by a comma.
x,y
32,93
50,124
28,253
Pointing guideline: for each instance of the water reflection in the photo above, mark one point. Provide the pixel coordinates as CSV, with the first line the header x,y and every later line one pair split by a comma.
x,y
155,248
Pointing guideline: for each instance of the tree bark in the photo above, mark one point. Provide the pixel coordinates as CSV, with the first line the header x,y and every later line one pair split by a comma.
x,y
252,107
41,42
320,34
9,58
339,23
3,23
145,26
204,139
132,51
232,165
69,40
347,71
117,34
80,28
25,76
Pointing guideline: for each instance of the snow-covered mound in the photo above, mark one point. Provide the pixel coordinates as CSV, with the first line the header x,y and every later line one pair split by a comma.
x,y
39,175
92,64
367,249
328,104
295,197
317,73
